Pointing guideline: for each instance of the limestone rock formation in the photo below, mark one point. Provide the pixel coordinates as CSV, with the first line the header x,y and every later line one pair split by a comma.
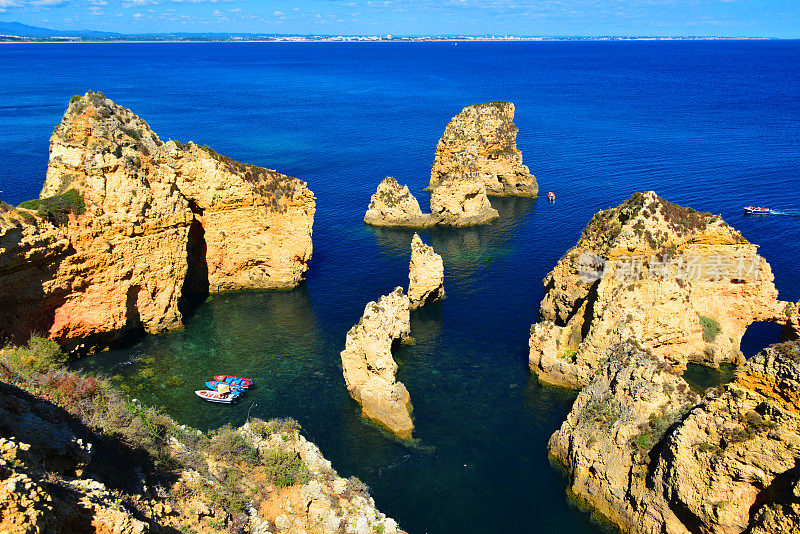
x,y
454,203
461,203
129,228
368,366
681,283
642,452
425,274
482,141
393,205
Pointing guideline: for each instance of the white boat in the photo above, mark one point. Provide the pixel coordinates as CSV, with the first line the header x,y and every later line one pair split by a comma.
x,y
757,210
213,396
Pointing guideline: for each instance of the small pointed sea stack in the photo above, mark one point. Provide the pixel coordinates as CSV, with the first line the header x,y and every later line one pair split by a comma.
x,y
482,141
369,369
425,274
394,205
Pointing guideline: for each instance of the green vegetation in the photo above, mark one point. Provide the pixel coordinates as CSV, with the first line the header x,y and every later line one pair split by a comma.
x,y
603,412
284,468
569,355
56,209
74,99
711,329
155,437
651,432
355,486
41,355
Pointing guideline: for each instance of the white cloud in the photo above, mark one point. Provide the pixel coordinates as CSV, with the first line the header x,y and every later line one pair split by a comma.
x,y
5,4
137,16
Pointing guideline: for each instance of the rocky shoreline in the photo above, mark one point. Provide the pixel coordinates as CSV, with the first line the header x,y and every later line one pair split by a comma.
x,y
77,456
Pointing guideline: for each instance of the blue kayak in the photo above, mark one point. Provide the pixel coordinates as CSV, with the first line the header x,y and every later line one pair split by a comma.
x,y
236,380
212,384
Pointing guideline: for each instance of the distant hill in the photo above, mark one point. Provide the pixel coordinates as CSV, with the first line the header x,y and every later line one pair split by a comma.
x,y
23,30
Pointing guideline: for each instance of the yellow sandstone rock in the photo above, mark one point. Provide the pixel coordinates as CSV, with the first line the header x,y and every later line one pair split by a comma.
x,y
369,369
163,222
683,284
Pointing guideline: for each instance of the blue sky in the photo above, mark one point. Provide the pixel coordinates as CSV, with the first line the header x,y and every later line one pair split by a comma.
x,y
770,18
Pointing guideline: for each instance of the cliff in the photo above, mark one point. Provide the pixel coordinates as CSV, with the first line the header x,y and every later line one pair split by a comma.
x,y
425,274
642,450
454,203
481,142
129,230
369,369
76,456
683,284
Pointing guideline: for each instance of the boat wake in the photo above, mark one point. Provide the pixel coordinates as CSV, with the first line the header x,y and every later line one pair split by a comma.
x,y
787,213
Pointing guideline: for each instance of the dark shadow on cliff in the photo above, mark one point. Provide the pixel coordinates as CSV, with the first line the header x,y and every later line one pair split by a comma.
x,y
25,308
113,462
195,288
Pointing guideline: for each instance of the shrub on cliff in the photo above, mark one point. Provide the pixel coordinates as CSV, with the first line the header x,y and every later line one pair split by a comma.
x,y
284,467
711,329
40,354
56,209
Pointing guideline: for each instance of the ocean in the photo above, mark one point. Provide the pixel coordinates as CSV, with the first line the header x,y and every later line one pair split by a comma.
x,y
710,124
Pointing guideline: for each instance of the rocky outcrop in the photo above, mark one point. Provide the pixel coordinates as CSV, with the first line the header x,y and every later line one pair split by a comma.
x,y
681,283
150,226
368,366
481,142
425,274
394,205
461,203
59,474
454,203
643,453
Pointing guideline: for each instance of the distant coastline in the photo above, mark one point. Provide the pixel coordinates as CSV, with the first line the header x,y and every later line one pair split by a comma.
x,y
348,39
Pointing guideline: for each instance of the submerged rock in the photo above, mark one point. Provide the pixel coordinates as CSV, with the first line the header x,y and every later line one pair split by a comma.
x,y
681,283
129,229
482,141
369,369
425,274
641,450
394,205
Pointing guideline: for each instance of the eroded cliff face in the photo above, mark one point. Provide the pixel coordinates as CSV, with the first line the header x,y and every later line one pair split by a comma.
x,y
481,142
425,274
369,369
163,222
644,453
681,283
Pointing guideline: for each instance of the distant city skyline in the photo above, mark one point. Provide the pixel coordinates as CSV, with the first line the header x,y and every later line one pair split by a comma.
x,y
728,18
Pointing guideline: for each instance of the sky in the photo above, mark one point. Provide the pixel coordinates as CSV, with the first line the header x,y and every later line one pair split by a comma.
x,y
762,18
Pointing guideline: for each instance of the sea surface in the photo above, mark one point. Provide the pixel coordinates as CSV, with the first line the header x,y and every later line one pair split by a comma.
x,y
710,124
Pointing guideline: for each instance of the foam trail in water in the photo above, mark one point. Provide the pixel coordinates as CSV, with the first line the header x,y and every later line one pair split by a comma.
x,y
788,213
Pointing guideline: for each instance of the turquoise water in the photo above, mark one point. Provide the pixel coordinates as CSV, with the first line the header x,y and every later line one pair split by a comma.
x,y
713,125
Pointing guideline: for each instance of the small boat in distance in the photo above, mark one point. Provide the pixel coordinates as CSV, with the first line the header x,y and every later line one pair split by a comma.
x,y
234,380
551,196
213,396
757,210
